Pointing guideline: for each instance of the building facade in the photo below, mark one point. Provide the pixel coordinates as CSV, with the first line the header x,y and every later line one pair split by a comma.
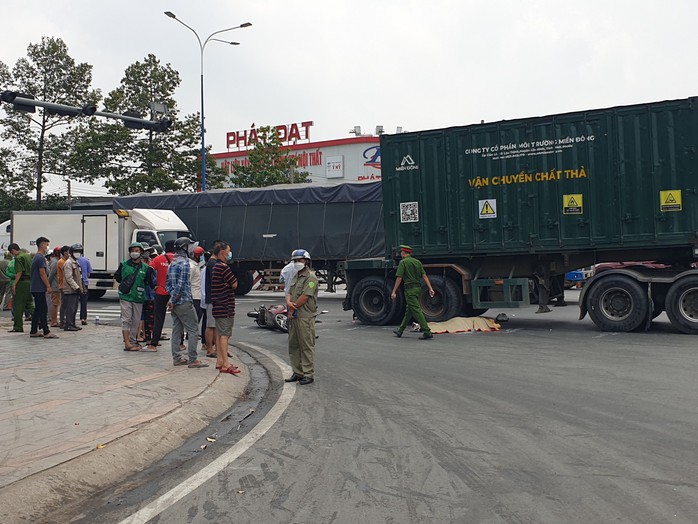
x,y
329,162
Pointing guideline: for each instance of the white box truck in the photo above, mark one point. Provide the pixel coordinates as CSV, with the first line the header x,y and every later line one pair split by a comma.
x,y
104,234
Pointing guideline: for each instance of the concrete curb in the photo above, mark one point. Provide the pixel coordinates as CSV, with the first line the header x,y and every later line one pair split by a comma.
x,y
33,498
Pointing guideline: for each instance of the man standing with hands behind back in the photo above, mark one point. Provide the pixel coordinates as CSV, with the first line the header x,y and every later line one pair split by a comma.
x,y
302,310
412,272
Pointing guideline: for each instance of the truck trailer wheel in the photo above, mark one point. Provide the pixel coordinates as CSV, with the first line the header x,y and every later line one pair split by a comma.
x,y
93,294
245,282
682,305
447,300
618,303
371,302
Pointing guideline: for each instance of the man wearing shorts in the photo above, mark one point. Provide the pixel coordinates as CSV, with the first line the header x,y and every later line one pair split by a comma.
x,y
223,284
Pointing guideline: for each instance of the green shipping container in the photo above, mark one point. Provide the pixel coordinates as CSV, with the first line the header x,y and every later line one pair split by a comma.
x,y
614,184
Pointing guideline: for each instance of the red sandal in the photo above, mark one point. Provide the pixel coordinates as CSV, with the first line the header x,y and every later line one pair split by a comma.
x,y
232,370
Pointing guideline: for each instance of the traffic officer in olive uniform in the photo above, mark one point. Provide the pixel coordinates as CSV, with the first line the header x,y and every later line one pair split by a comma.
x,y
412,272
302,310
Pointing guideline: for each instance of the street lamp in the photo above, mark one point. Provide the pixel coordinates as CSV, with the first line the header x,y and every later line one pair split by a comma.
x,y
202,46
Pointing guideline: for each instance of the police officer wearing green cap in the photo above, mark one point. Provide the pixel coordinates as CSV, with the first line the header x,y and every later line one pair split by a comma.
x,y
412,272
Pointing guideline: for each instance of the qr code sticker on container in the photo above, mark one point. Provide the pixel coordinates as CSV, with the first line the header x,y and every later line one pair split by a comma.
x,y
409,212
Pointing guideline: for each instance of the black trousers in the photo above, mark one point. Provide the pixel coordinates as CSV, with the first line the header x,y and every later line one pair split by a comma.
x,y
40,316
83,305
160,309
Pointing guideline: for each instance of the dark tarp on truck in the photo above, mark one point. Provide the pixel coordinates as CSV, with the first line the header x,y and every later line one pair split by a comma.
x,y
266,224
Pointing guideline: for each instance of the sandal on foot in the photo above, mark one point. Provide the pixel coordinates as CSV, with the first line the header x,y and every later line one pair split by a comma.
x,y
182,362
50,335
231,370
197,364
36,335
149,349
133,348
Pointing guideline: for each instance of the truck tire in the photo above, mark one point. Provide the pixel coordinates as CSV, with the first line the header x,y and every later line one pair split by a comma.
x,y
93,294
469,311
618,303
400,304
447,301
682,305
245,282
371,301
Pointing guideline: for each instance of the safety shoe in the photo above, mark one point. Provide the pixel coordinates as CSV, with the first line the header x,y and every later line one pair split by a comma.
x,y
426,336
306,380
397,332
293,378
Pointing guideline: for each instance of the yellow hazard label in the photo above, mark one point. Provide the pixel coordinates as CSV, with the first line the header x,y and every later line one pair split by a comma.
x,y
670,200
573,204
488,208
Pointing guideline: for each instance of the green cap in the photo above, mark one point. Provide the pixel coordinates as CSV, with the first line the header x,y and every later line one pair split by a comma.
x,y
403,247
136,244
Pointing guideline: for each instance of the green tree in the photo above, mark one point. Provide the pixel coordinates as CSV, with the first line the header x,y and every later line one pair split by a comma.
x,y
269,163
14,188
50,74
131,161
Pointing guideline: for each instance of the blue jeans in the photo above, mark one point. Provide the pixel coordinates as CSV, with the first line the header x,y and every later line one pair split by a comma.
x,y
184,319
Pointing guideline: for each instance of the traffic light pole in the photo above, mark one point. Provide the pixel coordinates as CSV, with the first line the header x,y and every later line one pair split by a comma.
x,y
22,103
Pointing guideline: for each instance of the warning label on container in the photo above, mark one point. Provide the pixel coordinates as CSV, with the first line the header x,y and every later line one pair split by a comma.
x,y
488,208
572,204
670,200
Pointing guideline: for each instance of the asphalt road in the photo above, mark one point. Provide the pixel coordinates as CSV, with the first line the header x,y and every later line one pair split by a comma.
x,y
546,421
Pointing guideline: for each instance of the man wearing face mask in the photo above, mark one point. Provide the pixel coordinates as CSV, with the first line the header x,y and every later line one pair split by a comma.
x,y
181,304
222,296
302,309
72,287
131,271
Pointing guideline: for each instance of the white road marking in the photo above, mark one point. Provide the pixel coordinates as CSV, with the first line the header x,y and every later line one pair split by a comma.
x,y
187,486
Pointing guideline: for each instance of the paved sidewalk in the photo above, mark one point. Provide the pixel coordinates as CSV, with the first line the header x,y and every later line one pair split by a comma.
x,y
67,397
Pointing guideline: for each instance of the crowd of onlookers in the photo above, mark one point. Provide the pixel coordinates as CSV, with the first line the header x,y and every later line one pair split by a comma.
x,y
46,288
197,287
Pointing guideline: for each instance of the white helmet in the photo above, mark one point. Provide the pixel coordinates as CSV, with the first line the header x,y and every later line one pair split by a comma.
x,y
299,254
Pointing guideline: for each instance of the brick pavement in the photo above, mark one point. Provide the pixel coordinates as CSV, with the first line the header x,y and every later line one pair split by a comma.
x,y
61,398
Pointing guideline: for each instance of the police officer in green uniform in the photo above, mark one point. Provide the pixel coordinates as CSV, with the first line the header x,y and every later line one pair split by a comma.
x,y
302,310
412,272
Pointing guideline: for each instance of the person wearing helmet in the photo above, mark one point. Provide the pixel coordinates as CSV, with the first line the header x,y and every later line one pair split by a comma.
x,y
72,287
131,275
181,303
302,309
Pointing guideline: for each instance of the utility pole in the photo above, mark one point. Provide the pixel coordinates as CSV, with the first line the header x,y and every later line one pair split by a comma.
x,y
70,200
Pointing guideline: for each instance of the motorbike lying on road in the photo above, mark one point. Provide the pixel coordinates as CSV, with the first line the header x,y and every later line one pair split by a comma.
x,y
271,317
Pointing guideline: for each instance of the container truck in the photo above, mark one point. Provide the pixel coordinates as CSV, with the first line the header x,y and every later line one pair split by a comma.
x,y
104,234
264,225
489,207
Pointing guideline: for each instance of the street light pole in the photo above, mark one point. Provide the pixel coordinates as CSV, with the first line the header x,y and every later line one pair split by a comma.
x,y
202,46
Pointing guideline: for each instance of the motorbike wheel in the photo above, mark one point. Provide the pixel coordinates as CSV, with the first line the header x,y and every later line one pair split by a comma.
x,y
281,322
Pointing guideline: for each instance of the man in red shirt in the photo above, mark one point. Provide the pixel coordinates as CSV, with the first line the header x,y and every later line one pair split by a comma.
x,y
160,264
